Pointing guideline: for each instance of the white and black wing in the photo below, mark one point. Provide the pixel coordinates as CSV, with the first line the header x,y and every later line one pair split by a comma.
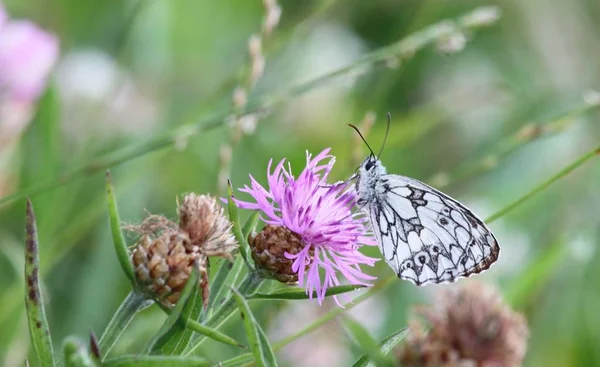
x,y
426,236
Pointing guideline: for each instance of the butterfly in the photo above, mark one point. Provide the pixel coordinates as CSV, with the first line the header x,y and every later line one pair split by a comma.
x,y
424,235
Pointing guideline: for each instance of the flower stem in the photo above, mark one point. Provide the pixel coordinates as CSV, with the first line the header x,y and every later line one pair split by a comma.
x,y
565,171
134,302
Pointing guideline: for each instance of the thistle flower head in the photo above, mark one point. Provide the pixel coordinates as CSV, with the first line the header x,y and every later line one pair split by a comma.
x,y
322,234
165,254
470,326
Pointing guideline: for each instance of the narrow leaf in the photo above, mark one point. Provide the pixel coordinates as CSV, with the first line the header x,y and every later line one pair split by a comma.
x,y
252,333
131,305
386,346
156,361
251,223
366,342
117,233
293,293
213,333
237,229
218,281
168,338
267,348
36,315
226,309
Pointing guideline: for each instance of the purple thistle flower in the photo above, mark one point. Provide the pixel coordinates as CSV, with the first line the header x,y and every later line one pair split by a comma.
x,y
321,215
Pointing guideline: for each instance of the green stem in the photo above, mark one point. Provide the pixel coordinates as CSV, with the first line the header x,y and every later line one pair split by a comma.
x,y
565,171
401,50
248,287
134,302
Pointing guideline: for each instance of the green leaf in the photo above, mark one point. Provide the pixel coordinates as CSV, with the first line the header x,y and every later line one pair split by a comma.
x,y
36,315
117,233
260,347
173,332
131,305
213,334
294,293
251,223
237,229
156,361
386,346
226,275
266,346
366,342
76,355
225,310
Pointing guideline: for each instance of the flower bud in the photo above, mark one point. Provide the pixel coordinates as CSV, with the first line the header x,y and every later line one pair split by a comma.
x,y
268,251
162,266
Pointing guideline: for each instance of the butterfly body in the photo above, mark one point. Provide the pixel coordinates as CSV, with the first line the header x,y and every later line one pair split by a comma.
x,y
424,235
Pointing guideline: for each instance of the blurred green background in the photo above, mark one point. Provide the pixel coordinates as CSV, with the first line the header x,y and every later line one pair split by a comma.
x,y
463,120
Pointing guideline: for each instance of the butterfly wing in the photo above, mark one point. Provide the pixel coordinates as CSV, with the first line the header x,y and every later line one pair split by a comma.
x,y
426,236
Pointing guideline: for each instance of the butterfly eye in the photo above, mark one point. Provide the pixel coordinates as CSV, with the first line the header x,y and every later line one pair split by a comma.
x,y
370,164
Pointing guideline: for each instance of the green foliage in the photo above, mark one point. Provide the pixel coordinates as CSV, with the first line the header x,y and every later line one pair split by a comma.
x,y
173,337
258,343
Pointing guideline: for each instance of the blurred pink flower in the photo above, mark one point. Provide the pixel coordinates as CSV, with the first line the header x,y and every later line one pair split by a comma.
x,y
321,216
27,55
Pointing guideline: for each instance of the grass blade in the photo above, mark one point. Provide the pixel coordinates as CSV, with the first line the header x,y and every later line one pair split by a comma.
x,y
39,332
386,346
117,233
259,346
366,342
293,293
156,361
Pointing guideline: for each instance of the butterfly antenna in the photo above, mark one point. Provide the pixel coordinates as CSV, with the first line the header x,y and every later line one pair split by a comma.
x,y
387,130
363,138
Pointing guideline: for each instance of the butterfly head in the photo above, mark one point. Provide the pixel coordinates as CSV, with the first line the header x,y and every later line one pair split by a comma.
x,y
371,166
